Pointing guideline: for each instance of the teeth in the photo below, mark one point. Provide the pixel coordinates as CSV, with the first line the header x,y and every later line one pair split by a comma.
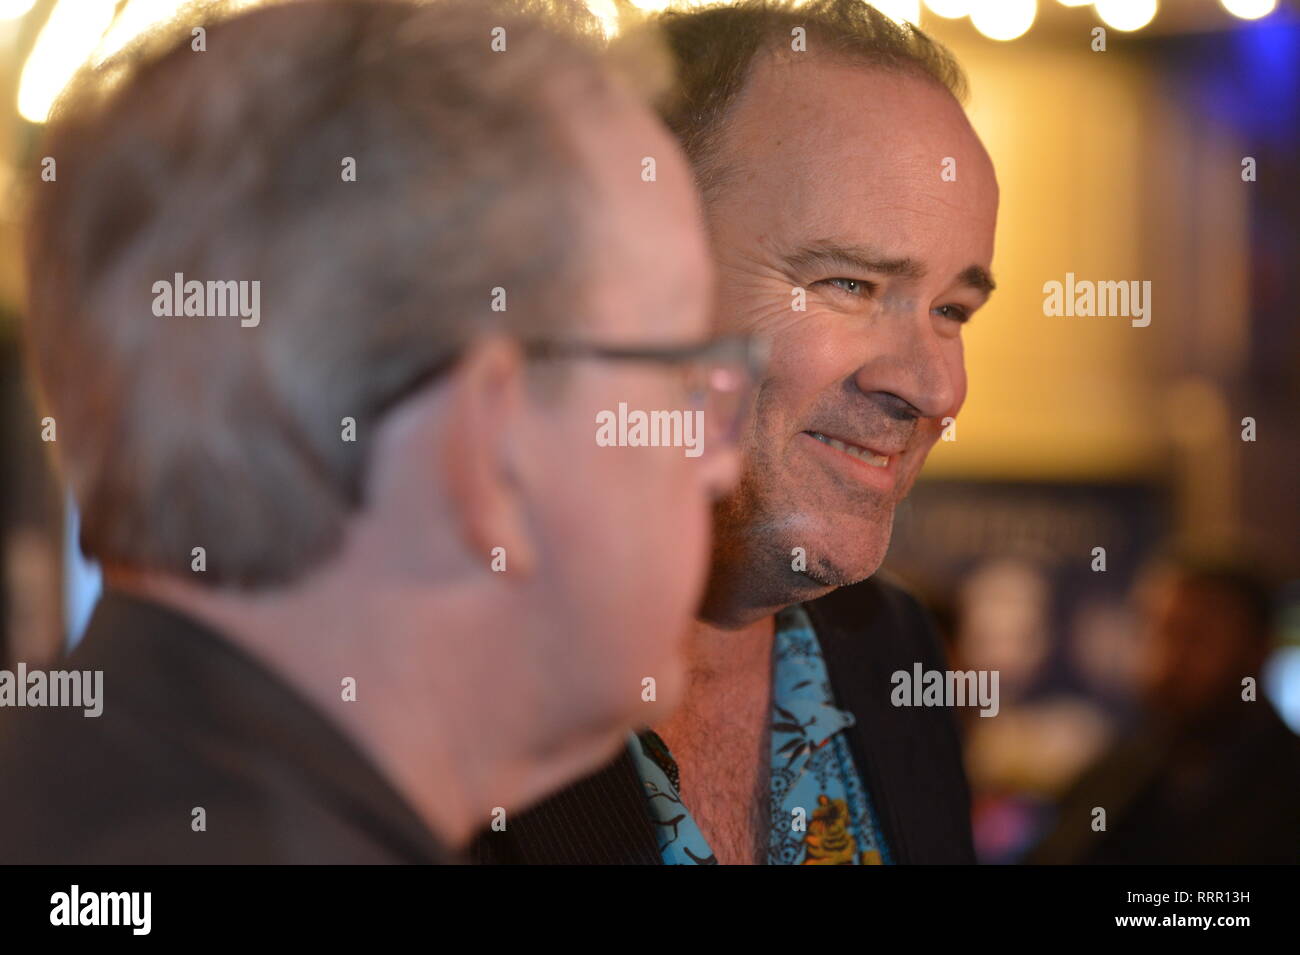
x,y
875,460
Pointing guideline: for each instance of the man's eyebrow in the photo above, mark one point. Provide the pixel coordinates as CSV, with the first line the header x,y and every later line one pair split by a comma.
x,y
861,258
978,278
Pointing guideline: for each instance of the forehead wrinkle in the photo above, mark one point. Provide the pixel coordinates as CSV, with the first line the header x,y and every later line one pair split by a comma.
x,y
865,258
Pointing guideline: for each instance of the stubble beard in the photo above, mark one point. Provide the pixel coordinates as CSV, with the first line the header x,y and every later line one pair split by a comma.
x,y
751,571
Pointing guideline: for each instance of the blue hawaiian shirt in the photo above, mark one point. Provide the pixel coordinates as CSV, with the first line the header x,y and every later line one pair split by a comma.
x,y
821,811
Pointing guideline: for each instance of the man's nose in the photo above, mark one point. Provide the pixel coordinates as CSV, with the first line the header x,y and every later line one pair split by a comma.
x,y
910,360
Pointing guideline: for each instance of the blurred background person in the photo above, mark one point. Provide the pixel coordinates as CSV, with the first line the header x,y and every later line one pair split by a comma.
x,y
1212,773
372,582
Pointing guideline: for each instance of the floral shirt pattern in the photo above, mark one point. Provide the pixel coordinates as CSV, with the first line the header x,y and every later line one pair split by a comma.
x,y
821,813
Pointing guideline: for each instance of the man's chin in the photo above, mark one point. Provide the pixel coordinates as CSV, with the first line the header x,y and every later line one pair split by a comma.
x,y
827,573
731,605
826,580
765,560
849,553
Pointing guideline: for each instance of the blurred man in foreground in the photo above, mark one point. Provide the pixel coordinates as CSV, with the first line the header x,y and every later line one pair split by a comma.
x,y
1213,774
851,209
372,582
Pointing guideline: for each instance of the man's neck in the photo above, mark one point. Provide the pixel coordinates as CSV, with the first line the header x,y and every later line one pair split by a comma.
x,y
720,665
715,654
718,737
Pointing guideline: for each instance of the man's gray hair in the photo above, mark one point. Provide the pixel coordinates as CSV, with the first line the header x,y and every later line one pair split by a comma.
x,y
231,164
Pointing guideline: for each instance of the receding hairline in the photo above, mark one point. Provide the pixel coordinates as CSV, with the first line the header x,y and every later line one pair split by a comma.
x,y
713,167
718,51
939,68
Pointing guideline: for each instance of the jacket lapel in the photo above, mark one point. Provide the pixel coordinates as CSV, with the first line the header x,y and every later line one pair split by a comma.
x,y
851,666
601,820
910,757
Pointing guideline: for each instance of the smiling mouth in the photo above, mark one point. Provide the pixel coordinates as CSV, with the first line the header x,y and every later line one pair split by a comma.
x,y
865,455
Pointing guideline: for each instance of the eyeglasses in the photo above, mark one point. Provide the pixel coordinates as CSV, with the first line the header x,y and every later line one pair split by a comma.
x,y
720,375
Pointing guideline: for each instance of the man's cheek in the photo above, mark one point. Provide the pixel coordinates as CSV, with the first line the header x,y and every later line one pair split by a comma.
x,y
771,416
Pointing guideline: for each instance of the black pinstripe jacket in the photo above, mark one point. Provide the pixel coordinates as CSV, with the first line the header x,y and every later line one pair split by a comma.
x,y
909,757
190,720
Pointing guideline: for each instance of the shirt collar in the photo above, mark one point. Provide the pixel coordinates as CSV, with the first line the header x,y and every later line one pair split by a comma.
x,y
801,689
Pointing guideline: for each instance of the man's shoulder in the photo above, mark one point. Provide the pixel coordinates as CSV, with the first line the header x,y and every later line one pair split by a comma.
x,y
74,785
196,756
118,790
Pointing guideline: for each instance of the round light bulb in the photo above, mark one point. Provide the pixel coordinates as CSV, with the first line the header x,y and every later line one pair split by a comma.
x,y
1003,19
1126,15
1249,9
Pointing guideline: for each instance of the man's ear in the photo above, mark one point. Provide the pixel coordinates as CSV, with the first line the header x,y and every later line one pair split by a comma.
x,y
486,400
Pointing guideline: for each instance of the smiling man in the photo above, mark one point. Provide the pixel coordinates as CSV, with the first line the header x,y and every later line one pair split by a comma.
x,y
852,212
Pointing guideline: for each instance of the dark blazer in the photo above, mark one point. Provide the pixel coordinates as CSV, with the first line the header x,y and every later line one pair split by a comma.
x,y
189,721
909,757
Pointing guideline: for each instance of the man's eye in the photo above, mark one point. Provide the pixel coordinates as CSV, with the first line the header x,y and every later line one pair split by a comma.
x,y
955,312
852,286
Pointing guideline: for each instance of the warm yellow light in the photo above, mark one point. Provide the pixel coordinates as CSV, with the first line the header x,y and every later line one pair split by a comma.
x,y
1126,15
1249,9
13,9
900,11
652,6
138,17
1074,3
1003,19
66,41
952,9
607,13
